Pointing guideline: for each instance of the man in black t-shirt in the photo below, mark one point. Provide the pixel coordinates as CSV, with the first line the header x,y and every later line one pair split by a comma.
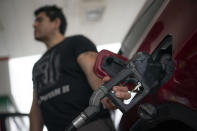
x,y
63,77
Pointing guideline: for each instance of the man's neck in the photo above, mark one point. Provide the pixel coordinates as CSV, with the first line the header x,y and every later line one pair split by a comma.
x,y
54,40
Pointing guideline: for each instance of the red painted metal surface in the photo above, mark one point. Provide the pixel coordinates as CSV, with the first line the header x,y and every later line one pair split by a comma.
x,y
4,58
179,19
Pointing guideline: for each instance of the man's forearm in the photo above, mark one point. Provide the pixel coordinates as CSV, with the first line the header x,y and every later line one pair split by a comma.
x,y
36,122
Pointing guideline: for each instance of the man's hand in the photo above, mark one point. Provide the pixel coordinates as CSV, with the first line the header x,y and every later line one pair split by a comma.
x,y
120,92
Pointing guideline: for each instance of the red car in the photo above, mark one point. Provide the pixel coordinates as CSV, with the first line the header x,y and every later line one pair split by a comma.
x,y
166,29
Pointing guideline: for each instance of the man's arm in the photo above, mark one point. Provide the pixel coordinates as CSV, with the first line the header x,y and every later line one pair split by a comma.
x,y
36,122
86,61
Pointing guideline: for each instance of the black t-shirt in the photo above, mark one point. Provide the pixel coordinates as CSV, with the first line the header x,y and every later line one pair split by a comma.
x,y
62,88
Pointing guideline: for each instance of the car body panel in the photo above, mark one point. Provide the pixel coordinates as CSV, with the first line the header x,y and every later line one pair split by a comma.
x,y
178,20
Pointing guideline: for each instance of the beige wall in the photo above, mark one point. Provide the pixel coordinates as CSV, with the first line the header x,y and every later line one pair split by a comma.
x,y
4,77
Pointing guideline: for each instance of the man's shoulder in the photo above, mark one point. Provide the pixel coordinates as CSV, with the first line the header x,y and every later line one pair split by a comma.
x,y
79,40
75,37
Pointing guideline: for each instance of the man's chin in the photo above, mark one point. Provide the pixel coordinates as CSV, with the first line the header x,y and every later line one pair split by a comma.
x,y
38,38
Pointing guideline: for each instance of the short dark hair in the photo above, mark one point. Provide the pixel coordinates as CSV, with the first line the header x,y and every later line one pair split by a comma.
x,y
53,12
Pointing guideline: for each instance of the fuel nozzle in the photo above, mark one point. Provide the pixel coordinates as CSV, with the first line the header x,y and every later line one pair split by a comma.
x,y
90,111
77,122
141,70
